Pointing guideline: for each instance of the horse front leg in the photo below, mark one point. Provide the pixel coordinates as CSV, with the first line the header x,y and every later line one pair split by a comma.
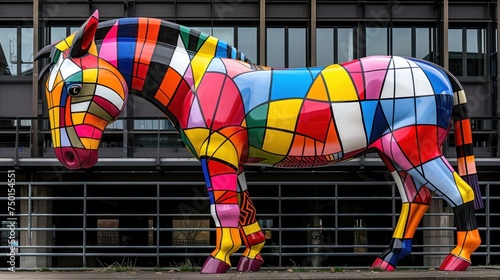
x,y
219,161
250,231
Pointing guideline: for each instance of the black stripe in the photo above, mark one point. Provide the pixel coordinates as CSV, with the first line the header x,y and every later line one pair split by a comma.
x,y
465,217
460,112
168,34
465,150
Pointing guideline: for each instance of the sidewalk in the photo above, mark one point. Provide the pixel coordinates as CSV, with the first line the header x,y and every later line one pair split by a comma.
x,y
470,274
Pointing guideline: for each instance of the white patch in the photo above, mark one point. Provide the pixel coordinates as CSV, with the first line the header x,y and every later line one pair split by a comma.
x,y
180,60
109,95
388,88
412,64
53,73
349,123
214,215
400,62
399,183
423,86
404,83
459,95
242,182
69,68
80,107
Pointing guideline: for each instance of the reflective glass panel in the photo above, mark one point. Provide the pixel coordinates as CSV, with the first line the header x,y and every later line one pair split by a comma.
x,y
275,47
324,46
455,49
296,47
401,41
423,45
225,34
26,51
345,50
376,41
247,42
8,51
57,34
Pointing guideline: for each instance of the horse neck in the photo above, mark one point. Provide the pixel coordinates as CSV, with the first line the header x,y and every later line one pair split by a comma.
x,y
151,60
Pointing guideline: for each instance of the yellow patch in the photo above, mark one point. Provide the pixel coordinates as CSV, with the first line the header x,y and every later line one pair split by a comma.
x,y
465,190
218,146
277,142
251,228
202,59
197,137
89,143
90,75
283,114
400,227
339,84
78,118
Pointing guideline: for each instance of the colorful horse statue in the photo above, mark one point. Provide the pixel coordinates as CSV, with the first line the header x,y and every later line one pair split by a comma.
x,y
230,113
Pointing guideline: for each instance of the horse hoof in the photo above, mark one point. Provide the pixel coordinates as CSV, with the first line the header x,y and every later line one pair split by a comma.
x,y
247,264
213,265
380,264
454,263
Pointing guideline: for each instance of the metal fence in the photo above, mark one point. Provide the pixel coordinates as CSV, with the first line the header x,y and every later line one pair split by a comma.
x,y
307,224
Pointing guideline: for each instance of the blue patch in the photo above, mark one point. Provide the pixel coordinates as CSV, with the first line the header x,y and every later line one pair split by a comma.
x,y
445,108
404,112
252,93
216,65
388,109
380,125
438,79
426,110
368,109
400,249
204,168
290,83
221,49
126,44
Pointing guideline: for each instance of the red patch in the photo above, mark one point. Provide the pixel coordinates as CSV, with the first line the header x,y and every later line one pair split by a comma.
x,y
314,119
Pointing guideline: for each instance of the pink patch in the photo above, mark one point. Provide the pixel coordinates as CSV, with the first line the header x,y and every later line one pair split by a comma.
x,y
374,81
85,131
375,63
109,50
195,117
225,182
107,106
235,67
447,164
399,157
228,214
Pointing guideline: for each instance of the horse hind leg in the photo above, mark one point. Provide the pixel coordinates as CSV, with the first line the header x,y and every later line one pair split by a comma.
x,y
439,176
416,200
250,231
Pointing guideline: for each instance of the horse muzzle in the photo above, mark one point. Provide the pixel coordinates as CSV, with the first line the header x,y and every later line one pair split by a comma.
x,y
75,158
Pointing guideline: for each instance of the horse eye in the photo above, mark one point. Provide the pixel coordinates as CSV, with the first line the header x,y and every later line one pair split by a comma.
x,y
74,90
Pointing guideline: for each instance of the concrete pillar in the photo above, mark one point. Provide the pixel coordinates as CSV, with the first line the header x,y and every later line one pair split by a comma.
x,y
438,237
38,238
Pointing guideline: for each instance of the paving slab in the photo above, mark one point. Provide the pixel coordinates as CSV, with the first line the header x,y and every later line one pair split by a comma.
x,y
470,274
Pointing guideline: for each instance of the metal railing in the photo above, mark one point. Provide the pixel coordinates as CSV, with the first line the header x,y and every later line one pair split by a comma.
x,y
354,221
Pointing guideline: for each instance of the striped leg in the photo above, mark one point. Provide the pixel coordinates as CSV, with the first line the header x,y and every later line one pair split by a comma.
x,y
250,231
439,176
416,200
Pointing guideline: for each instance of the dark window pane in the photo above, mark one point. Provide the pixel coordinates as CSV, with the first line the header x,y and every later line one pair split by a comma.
x,y
345,49
455,51
296,47
247,42
401,41
275,47
324,46
475,52
376,41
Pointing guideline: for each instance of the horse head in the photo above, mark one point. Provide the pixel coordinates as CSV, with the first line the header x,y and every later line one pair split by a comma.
x,y
84,94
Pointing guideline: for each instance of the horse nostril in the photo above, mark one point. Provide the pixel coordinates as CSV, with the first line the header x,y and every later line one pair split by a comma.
x,y
69,157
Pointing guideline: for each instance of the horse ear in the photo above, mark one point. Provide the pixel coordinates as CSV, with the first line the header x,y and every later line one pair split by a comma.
x,y
84,36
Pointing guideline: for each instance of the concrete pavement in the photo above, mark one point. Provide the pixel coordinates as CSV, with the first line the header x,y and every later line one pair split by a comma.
x,y
471,274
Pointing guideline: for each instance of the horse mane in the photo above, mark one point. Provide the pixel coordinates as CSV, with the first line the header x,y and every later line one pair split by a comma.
x,y
169,34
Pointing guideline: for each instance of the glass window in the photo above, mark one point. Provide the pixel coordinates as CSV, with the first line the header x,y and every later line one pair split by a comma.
x,y
225,34
334,45
376,41
247,42
455,48
296,47
423,43
26,51
57,34
401,41
275,47
475,52
345,50
153,125
8,51
324,46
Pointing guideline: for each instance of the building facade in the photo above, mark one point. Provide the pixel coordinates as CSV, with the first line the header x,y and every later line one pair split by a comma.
x,y
144,203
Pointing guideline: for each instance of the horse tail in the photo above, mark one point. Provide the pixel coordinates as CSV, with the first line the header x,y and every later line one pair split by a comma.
x,y
463,140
